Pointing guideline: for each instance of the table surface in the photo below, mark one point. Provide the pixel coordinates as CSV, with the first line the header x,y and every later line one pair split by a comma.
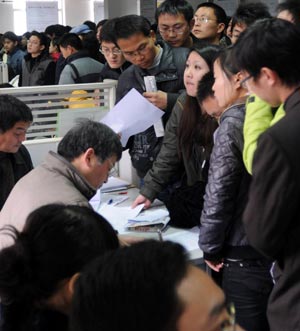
x,y
187,238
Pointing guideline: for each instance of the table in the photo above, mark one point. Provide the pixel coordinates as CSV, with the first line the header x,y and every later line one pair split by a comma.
x,y
187,238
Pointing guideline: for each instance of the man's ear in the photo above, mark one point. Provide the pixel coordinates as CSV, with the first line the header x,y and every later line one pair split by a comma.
x,y
270,76
71,286
153,36
221,27
88,156
191,24
237,79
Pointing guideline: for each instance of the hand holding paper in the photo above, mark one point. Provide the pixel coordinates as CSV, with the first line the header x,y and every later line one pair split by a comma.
x,y
131,115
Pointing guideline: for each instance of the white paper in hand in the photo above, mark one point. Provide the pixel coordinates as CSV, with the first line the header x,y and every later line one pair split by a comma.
x,y
131,115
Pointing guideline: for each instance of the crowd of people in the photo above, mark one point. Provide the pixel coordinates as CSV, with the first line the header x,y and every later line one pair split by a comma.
x,y
225,162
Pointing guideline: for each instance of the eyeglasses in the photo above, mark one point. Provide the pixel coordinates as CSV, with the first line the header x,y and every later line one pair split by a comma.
x,y
175,29
113,171
203,19
244,81
106,51
140,51
229,324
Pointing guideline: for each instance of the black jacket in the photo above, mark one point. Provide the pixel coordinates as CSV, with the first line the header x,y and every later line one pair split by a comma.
x,y
109,73
145,146
272,215
13,166
222,233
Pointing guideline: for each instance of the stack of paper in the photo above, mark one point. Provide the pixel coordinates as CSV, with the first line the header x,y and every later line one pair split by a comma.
x,y
149,220
114,184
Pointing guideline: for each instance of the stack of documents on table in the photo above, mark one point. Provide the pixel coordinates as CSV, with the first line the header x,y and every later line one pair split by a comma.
x,y
149,220
114,184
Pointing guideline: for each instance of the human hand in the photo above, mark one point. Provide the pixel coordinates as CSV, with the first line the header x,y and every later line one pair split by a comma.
x,y
139,200
158,99
215,265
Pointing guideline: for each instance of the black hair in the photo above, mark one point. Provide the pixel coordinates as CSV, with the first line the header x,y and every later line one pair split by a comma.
x,y
129,25
55,30
205,87
175,7
11,36
56,242
134,288
91,25
227,64
275,44
91,44
101,23
108,31
195,126
13,110
293,7
70,39
89,134
248,13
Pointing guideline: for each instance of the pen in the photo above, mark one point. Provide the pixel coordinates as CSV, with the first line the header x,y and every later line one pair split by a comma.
x,y
122,193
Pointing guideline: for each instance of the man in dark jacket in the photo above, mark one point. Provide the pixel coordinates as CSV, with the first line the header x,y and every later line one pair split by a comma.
x,y
15,161
272,72
138,43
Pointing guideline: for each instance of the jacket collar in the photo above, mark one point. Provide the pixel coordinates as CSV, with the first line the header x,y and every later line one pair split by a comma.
x,y
59,164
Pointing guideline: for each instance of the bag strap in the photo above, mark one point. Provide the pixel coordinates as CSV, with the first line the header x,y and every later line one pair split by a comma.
x,y
77,79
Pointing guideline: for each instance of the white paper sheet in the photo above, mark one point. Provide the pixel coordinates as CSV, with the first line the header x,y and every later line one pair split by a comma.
x,y
131,115
119,216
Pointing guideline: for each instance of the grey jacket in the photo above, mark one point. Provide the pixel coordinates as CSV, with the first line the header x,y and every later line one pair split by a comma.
x,y
169,163
222,233
87,70
37,71
54,181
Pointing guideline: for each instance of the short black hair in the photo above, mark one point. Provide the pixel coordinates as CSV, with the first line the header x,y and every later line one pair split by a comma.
x,y
133,288
108,31
129,25
293,7
70,39
57,241
248,13
205,87
11,36
13,110
89,134
175,7
275,44
91,25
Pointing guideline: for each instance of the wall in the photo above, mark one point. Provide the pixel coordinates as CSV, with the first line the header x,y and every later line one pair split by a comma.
x,y
6,17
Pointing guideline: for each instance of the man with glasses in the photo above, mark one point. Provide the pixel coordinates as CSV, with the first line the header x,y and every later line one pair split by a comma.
x,y
272,214
175,22
84,158
115,60
138,44
210,22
